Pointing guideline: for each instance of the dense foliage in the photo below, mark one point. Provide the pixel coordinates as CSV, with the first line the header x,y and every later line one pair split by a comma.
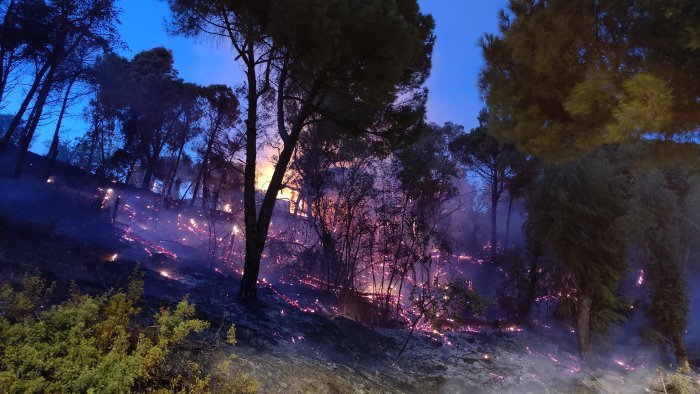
x,y
102,344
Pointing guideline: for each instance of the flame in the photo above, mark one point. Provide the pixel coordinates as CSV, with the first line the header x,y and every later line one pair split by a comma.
x,y
263,178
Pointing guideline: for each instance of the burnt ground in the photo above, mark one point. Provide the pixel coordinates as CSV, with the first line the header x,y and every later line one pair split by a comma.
x,y
289,341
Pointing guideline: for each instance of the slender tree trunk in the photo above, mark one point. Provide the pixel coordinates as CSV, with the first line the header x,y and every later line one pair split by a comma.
x,y
151,168
23,107
169,191
205,162
253,246
681,355
510,208
148,174
93,140
533,278
129,172
217,194
494,217
6,65
53,150
197,182
29,133
7,62
583,319
206,192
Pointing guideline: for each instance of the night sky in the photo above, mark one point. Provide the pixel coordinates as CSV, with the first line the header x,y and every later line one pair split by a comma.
x,y
453,88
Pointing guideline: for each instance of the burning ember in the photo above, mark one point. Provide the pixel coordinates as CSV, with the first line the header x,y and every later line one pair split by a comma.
x,y
640,278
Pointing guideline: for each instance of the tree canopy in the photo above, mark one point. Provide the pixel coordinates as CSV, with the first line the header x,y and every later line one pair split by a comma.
x,y
565,77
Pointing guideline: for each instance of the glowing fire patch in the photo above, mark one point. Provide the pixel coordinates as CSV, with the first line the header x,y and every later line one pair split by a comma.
x,y
263,178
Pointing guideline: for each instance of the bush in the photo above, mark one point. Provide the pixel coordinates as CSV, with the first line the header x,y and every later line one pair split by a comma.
x,y
98,344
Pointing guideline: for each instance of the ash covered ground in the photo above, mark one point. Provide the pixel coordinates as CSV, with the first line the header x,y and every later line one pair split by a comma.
x,y
298,338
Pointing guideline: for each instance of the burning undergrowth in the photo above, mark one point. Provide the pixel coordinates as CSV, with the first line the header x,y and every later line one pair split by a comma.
x,y
306,323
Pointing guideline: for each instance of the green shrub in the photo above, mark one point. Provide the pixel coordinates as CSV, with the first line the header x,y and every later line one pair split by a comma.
x,y
99,344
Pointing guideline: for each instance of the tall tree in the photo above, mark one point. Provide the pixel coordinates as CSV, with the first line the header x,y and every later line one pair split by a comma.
x,y
221,109
338,60
565,77
75,78
185,127
12,42
490,160
60,29
579,210
144,95
665,204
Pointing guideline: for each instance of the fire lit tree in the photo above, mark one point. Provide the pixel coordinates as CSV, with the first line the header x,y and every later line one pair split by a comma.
x,y
378,218
358,64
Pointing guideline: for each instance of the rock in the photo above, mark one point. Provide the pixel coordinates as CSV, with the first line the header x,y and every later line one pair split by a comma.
x,y
587,386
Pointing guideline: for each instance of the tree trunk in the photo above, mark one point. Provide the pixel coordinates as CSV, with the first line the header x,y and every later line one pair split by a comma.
x,y
681,355
6,60
510,209
251,267
583,318
217,194
196,186
23,107
257,227
31,128
205,162
129,172
531,288
150,169
53,150
253,247
169,190
93,141
494,233
206,193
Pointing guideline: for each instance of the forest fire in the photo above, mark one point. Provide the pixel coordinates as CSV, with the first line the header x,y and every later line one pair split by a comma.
x,y
308,209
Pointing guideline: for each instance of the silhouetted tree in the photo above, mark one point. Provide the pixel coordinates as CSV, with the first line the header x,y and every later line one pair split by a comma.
x,y
59,29
492,161
579,210
336,60
221,114
565,77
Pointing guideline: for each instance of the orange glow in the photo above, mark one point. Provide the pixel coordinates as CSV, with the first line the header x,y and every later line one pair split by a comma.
x,y
262,180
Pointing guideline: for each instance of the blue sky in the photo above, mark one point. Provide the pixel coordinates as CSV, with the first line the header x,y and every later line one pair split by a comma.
x,y
453,83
